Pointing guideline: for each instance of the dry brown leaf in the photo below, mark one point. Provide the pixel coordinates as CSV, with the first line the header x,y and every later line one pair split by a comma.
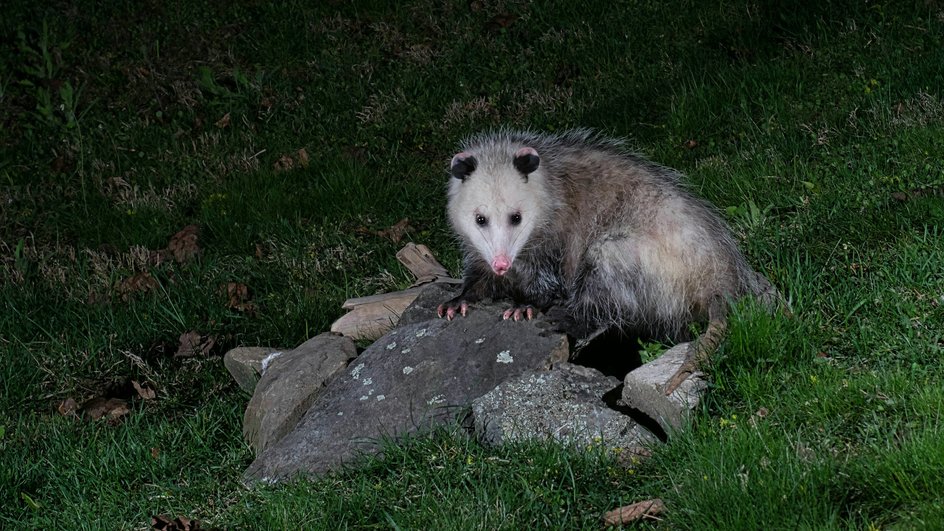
x,y
223,122
500,21
109,408
184,245
62,164
691,144
235,292
303,158
139,283
144,391
396,232
284,163
193,344
237,297
155,452
630,513
181,523
68,407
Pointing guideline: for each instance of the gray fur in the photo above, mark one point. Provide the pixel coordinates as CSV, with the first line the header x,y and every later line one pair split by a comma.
x,y
619,240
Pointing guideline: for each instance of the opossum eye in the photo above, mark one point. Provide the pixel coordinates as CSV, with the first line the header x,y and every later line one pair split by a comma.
x,y
515,218
481,220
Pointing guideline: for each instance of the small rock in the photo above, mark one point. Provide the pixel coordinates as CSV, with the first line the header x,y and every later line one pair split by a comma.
x,y
289,385
565,404
245,365
644,389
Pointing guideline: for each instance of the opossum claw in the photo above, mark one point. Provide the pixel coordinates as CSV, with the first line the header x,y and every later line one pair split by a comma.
x,y
519,312
450,309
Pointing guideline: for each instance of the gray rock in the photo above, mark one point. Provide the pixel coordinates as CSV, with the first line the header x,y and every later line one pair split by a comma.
x,y
417,376
245,365
423,308
290,382
644,389
565,404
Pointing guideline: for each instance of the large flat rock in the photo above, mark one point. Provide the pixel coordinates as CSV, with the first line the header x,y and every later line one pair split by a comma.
x,y
565,405
419,375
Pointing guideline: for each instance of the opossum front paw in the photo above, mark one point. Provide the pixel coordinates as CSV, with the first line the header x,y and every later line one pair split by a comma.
x,y
450,309
519,312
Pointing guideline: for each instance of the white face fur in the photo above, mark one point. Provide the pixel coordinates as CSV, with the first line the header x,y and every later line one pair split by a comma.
x,y
496,206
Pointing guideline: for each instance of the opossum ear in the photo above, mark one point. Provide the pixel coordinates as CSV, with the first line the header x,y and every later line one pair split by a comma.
x,y
527,160
462,165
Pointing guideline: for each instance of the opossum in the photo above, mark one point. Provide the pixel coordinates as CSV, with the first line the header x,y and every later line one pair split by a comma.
x,y
575,225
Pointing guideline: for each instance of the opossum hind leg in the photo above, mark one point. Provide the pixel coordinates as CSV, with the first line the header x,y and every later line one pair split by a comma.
x,y
701,349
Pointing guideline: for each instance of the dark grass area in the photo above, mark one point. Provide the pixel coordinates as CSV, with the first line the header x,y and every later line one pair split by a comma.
x,y
816,128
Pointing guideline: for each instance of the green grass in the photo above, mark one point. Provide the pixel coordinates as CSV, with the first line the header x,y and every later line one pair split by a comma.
x,y
802,123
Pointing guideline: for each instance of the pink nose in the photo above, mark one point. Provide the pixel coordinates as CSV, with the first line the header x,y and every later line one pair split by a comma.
x,y
501,264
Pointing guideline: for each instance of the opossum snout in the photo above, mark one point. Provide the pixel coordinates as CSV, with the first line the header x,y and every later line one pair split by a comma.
x,y
501,264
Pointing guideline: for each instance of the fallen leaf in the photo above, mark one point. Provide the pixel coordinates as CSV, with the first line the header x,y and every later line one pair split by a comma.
x,y
193,344
284,163
237,295
68,407
691,144
630,513
223,122
155,452
396,232
139,283
236,292
181,523
500,21
144,391
62,164
184,245
110,408
303,157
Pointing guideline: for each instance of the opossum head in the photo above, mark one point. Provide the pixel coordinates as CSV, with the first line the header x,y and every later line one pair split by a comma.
x,y
497,198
